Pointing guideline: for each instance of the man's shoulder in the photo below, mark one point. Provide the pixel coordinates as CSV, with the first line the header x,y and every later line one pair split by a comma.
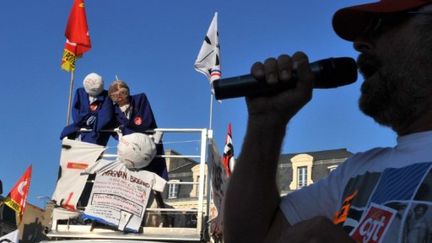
x,y
139,99
139,96
375,158
371,154
81,92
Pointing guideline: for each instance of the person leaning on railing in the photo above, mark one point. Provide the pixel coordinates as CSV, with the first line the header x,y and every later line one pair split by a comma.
x,y
92,112
133,113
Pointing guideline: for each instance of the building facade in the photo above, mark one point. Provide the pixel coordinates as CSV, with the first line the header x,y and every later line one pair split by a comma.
x,y
295,171
7,219
182,188
301,169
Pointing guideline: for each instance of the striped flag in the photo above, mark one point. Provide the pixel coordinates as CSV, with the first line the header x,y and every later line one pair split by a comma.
x,y
228,153
17,197
77,36
208,60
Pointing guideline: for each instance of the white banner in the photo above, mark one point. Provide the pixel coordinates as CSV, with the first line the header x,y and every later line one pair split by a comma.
x,y
119,196
75,157
12,237
219,184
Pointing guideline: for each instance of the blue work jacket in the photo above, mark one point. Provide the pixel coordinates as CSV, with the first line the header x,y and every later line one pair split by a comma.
x,y
95,116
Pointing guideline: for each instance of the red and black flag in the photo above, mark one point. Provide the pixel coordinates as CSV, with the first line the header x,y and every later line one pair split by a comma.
x,y
17,197
228,154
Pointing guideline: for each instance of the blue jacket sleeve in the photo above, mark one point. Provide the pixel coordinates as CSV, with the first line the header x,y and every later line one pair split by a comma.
x,y
145,112
80,112
105,114
142,118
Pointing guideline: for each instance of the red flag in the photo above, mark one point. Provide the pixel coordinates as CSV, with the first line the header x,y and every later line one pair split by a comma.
x,y
228,155
77,36
17,197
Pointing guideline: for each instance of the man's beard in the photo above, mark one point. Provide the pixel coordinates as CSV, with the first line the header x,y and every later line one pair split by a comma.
x,y
397,93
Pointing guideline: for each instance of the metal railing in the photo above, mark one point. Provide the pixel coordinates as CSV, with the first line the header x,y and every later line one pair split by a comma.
x,y
202,202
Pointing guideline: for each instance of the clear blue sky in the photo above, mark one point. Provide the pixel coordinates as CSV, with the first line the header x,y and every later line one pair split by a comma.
x,y
152,45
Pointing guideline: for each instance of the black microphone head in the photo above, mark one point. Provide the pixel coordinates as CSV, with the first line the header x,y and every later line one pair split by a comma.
x,y
335,72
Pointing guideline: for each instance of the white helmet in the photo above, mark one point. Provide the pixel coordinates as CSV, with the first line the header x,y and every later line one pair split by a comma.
x,y
136,150
93,84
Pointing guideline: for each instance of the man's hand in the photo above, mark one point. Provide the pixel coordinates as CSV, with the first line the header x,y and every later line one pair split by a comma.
x,y
255,221
315,230
286,104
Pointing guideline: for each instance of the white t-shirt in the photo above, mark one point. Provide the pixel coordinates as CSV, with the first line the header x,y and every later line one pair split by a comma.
x,y
119,196
373,195
92,99
125,109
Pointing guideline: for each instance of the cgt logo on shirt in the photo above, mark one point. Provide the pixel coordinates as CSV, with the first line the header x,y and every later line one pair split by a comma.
x,y
374,224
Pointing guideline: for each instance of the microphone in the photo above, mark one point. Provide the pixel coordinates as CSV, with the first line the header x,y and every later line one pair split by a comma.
x,y
329,73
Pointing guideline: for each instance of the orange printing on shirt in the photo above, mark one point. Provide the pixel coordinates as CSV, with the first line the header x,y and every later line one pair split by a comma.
x,y
341,216
76,165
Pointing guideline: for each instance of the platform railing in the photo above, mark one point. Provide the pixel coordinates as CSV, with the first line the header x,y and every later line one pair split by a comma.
x,y
201,210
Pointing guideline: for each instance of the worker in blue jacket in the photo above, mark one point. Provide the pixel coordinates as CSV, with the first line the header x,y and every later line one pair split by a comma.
x,y
132,114
92,110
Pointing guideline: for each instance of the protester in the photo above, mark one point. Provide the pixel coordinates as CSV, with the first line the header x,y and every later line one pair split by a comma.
x,y
394,39
91,110
133,113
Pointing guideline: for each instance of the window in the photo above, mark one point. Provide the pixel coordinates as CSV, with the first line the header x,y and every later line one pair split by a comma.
x,y
301,176
332,168
302,171
173,189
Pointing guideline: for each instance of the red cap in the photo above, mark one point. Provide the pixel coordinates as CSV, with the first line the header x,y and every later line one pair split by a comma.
x,y
349,22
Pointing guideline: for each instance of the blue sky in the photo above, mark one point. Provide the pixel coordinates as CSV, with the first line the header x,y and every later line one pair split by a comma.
x,y
152,45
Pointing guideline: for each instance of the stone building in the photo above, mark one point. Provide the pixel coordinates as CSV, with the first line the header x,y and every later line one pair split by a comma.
x,y
186,172
31,227
301,169
7,219
295,171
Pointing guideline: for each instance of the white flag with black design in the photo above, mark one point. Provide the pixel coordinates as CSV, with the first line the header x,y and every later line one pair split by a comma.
x,y
208,60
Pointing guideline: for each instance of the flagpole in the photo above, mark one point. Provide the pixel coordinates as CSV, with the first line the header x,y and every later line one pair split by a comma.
x,y
71,84
77,43
211,111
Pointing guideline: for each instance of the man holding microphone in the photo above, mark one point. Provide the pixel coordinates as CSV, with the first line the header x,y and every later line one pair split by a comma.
x,y
354,203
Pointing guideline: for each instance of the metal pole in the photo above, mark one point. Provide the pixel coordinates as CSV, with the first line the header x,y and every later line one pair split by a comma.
x,y
211,111
201,181
71,84
208,137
